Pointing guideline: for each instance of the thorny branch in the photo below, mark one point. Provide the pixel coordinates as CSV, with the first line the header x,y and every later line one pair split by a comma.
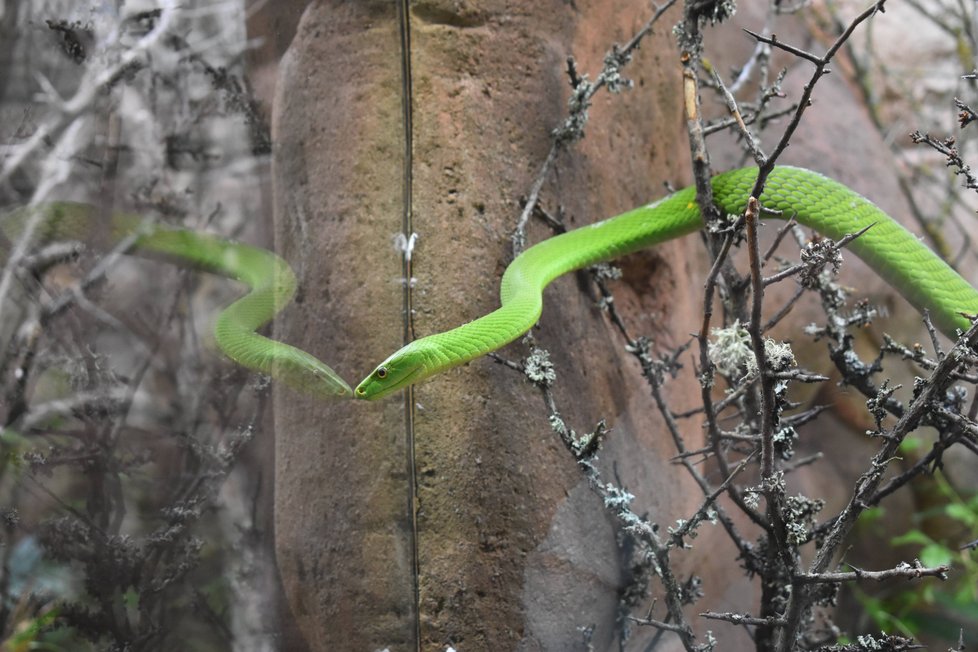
x,y
573,127
790,593
148,438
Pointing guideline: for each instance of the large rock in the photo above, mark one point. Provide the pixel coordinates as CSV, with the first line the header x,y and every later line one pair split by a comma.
x,y
512,550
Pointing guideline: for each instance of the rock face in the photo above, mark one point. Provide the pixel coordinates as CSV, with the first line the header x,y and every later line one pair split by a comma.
x,y
511,548
343,532
503,546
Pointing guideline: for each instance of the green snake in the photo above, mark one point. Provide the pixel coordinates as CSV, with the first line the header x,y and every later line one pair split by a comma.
x,y
269,278
818,202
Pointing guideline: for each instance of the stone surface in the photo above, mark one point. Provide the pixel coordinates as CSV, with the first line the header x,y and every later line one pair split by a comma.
x,y
342,526
513,551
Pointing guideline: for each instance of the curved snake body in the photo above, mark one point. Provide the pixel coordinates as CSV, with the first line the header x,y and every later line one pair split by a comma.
x,y
816,201
269,278
825,205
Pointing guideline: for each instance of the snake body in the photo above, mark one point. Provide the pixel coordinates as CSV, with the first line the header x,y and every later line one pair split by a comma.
x,y
269,278
816,201
820,203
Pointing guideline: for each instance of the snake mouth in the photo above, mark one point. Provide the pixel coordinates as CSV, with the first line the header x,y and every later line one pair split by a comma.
x,y
401,383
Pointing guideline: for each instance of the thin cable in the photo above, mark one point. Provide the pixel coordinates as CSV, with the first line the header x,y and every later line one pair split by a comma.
x,y
407,228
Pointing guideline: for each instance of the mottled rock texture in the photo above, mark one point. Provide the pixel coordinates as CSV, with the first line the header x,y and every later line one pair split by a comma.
x,y
513,551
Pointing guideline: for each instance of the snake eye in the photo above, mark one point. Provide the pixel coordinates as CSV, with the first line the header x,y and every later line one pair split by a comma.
x,y
382,372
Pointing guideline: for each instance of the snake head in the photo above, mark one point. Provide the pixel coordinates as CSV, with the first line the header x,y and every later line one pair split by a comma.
x,y
403,368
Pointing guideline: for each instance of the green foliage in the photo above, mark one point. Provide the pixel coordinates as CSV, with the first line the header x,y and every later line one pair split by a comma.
x,y
38,633
934,609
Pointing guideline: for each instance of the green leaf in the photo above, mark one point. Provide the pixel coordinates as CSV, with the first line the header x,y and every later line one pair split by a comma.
x,y
872,515
913,536
131,598
962,513
910,444
935,554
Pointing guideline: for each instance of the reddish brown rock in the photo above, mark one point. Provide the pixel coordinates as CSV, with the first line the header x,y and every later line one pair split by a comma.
x,y
513,550
342,521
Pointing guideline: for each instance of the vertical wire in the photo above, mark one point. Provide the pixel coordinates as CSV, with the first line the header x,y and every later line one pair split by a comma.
x,y
407,229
